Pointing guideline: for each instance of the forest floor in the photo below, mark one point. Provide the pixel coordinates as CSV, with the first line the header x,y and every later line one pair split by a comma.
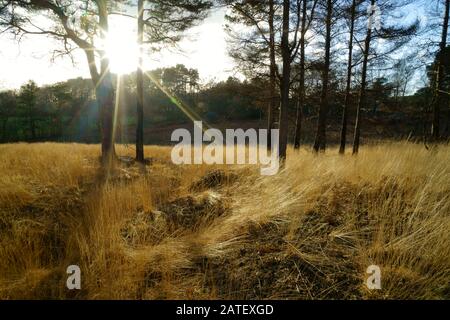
x,y
167,231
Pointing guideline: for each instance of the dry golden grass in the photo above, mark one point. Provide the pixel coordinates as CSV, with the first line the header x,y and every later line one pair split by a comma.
x,y
309,232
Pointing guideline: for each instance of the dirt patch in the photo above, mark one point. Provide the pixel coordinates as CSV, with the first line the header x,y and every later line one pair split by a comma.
x,y
214,179
269,266
192,211
186,213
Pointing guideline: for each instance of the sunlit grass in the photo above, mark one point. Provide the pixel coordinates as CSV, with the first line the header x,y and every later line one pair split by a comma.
x,y
309,232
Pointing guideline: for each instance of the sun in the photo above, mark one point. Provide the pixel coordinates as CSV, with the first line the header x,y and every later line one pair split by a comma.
x,y
122,52
122,48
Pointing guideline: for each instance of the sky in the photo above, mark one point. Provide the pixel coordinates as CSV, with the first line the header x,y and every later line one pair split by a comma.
x,y
203,48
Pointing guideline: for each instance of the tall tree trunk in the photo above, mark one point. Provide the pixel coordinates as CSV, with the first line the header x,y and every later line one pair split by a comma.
x,y
301,88
286,55
272,80
105,99
362,93
320,140
140,87
439,95
105,94
349,80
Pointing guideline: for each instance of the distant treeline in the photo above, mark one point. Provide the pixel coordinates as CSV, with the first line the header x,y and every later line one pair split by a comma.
x,y
68,111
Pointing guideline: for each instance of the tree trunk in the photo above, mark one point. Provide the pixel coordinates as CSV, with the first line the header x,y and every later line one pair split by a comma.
x,y
320,140
362,94
349,80
272,80
301,88
105,99
105,94
140,87
439,95
286,55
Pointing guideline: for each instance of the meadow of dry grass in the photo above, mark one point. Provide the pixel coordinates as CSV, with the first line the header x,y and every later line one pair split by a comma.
x,y
217,232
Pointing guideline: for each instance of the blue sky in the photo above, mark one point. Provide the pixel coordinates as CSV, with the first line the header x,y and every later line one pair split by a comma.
x,y
203,48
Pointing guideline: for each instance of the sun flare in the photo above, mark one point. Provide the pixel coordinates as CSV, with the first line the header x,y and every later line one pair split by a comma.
x,y
122,48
